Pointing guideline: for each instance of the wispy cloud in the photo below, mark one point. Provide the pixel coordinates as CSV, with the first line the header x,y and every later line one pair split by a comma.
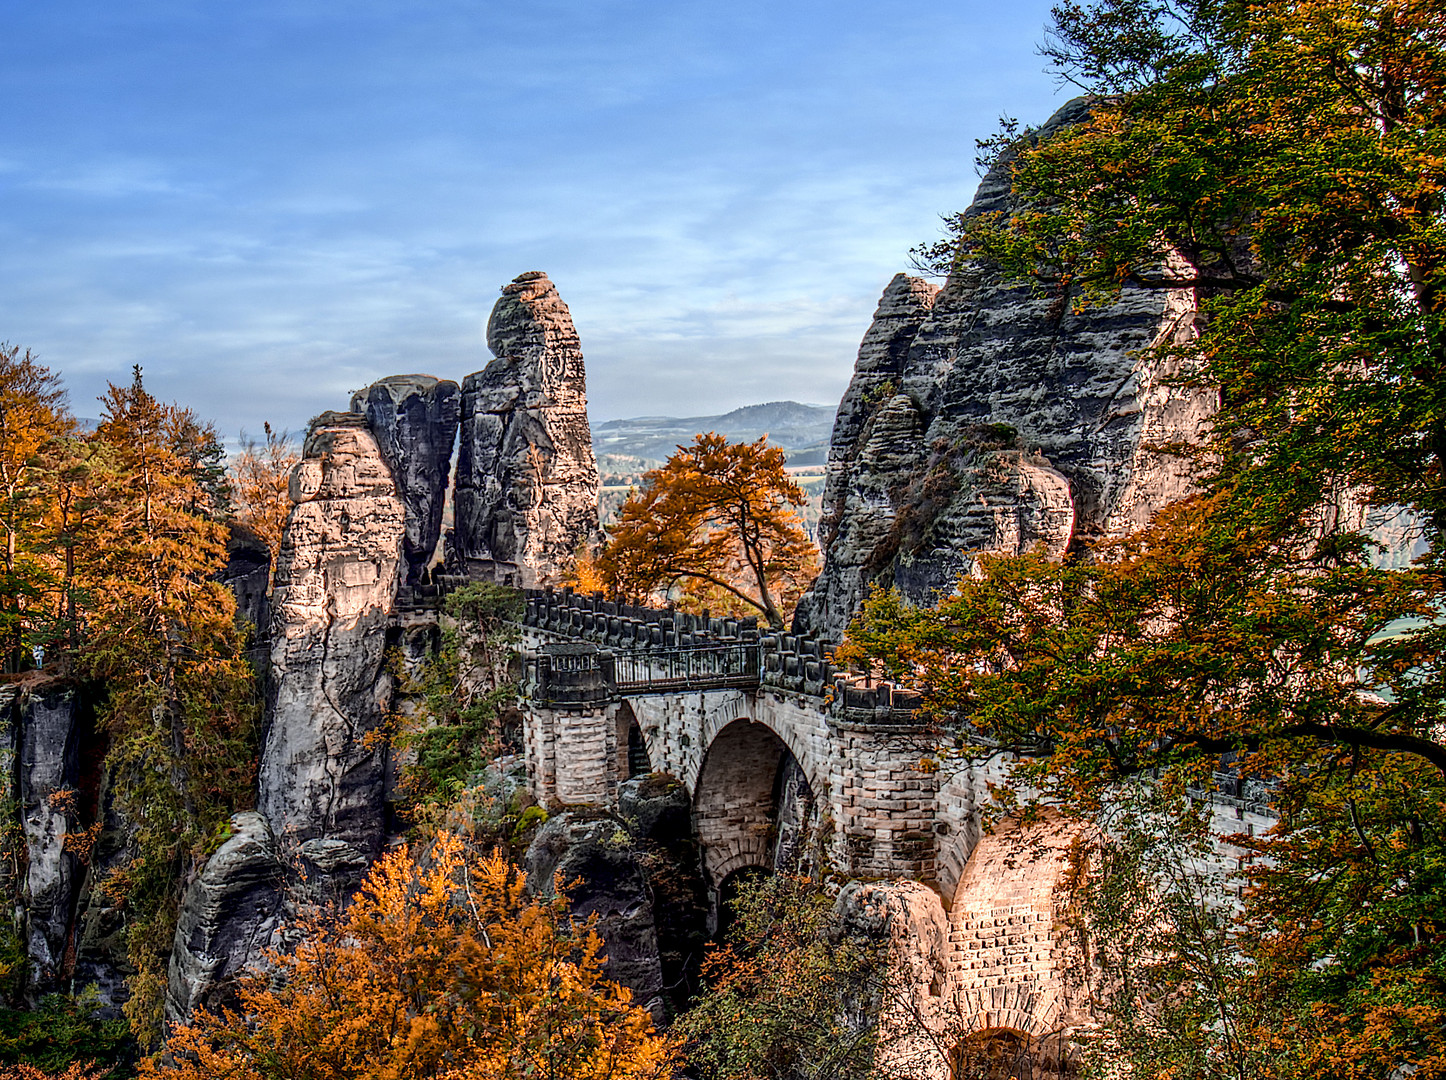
x,y
273,205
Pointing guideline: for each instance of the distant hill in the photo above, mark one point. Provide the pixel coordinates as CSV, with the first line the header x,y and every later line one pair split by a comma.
x,y
801,430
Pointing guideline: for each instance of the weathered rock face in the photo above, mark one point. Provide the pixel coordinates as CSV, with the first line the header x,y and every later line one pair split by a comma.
x,y
320,782
987,417
248,575
53,783
659,814
230,914
906,921
414,420
47,775
526,496
600,854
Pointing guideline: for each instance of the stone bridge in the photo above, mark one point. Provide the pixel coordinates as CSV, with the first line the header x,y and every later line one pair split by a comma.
x,y
739,716
770,738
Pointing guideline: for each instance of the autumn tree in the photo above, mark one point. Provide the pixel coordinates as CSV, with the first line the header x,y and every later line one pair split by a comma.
x,y
181,699
1284,161
440,967
261,475
32,417
717,521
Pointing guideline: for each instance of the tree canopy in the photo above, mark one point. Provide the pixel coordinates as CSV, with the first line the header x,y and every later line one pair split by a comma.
x,y
718,522
1286,162
261,475
441,967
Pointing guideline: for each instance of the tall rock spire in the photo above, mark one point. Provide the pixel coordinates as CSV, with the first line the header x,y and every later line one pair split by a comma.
x,y
414,421
526,495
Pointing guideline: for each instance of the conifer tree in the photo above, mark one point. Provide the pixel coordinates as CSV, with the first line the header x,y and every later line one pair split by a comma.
x,y
32,416
181,706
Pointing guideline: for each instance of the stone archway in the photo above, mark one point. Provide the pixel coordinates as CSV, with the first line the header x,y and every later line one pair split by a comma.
x,y
747,774
633,757
1004,1053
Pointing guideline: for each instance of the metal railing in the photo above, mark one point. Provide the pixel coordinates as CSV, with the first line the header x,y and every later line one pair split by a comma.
x,y
692,667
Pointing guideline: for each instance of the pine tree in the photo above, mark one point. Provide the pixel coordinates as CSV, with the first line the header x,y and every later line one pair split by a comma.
x,y
32,416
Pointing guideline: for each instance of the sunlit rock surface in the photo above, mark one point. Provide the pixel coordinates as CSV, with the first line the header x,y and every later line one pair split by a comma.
x,y
990,416
321,775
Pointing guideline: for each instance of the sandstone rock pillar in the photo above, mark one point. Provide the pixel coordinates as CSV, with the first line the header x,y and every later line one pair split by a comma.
x,y
414,420
526,496
321,780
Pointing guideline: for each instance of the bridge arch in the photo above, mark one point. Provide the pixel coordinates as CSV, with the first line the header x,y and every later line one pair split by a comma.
x,y
634,755
736,799
1010,1053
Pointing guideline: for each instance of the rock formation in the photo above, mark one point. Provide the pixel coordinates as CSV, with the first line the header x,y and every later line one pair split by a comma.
x,y
414,420
321,782
597,858
41,745
526,496
659,814
321,788
230,913
987,416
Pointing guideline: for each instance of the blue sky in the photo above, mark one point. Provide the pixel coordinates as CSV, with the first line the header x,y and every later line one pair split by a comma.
x,y
270,204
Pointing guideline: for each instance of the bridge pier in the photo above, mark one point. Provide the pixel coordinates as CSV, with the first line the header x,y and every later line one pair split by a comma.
x,y
572,755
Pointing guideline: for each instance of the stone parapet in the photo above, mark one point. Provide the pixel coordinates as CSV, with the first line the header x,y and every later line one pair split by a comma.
x,y
789,663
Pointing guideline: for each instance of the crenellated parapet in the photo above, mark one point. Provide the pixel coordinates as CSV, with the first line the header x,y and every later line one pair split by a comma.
x,y
659,650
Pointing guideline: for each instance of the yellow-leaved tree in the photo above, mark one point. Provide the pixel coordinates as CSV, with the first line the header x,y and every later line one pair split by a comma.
x,y
442,967
261,478
182,705
32,417
717,523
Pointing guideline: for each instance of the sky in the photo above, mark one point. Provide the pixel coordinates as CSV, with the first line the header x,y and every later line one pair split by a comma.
x,y
269,205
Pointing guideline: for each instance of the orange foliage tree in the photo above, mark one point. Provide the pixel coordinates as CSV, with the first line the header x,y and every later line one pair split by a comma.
x,y
161,634
719,523
32,415
439,968
261,477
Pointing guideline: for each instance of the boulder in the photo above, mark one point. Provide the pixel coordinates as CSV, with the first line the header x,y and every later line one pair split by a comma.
x,y
229,915
597,862
414,421
659,814
527,481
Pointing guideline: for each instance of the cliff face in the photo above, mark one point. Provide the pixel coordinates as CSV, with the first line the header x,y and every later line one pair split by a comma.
x,y
41,747
414,421
320,782
988,417
526,496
